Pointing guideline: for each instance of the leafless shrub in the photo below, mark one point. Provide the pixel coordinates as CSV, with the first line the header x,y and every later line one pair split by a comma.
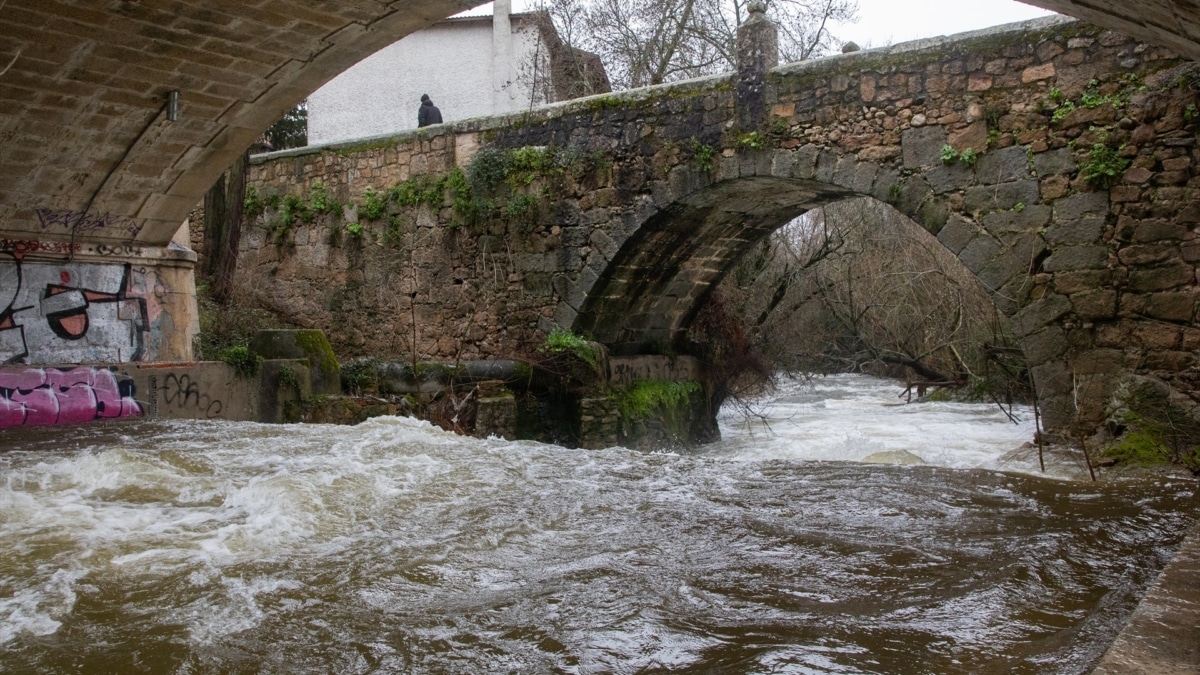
x,y
858,287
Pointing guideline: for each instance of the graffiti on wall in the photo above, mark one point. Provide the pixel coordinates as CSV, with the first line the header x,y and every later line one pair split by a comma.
x,y
70,312
20,247
85,222
181,392
45,396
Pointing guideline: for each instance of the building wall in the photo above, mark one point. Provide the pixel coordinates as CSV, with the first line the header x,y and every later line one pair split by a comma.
x,y
451,61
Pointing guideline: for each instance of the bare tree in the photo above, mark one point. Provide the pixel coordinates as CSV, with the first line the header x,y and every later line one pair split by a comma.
x,y
557,71
645,43
223,212
858,286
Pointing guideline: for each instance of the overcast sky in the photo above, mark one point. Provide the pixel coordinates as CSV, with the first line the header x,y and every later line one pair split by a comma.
x,y
885,22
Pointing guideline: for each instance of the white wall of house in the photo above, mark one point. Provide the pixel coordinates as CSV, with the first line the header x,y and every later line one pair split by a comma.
x,y
469,66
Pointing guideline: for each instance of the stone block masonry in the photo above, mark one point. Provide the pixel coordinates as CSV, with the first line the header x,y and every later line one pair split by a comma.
x,y
88,134
1055,159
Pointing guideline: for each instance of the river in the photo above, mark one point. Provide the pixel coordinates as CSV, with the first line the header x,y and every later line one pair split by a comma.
x,y
394,547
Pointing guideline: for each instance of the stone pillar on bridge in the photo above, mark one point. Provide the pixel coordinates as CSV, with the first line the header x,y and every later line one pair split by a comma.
x,y
757,53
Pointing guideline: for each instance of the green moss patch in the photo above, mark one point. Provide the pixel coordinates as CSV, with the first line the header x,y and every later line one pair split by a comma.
x,y
643,398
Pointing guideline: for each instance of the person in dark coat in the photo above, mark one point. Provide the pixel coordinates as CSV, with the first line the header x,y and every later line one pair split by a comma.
x,y
428,113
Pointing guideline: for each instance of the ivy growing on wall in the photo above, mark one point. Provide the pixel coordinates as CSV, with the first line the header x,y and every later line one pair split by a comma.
x,y
507,185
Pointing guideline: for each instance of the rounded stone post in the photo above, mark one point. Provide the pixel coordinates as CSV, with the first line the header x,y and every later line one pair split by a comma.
x,y
757,53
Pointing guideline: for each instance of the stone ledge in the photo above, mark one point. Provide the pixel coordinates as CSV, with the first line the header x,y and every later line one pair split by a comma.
x,y
1163,633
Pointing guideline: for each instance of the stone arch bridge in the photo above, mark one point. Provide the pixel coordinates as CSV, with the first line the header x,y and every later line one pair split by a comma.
x,y
117,115
1055,159
101,166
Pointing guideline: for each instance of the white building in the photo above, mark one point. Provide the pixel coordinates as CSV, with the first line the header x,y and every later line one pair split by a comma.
x,y
471,66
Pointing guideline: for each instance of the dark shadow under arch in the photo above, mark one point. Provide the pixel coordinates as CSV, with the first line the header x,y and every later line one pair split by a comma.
x,y
664,271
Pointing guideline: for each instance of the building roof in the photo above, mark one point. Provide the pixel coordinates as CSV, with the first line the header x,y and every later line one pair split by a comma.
x,y
458,18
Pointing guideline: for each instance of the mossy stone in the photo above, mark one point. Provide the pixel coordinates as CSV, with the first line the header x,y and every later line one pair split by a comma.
x,y
311,345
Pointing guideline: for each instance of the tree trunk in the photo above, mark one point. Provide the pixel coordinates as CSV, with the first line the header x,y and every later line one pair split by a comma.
x,y
223,206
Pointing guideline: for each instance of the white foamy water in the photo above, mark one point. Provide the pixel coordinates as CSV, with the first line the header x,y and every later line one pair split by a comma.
x,y
849,417
395,547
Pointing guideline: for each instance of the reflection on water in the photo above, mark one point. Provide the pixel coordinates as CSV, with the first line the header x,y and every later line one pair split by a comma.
x,y
393,547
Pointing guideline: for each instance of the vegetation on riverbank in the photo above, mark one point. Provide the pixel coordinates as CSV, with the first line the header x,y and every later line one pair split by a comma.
x,y
857,287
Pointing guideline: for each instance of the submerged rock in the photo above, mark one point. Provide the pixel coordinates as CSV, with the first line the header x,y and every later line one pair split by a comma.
x,y
892,457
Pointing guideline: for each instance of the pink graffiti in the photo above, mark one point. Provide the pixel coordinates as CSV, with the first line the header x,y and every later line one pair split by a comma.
x,y
50,396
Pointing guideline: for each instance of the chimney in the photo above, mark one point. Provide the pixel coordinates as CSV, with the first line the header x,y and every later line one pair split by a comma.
x,y
503,73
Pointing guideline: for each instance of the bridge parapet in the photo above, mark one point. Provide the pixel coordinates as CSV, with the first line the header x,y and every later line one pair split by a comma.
x,y
1055,159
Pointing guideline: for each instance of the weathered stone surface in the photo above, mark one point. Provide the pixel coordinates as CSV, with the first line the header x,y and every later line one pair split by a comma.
x,y
1158,230
974,136
1164,278
957,233
1103,362
1044,345
496,416
1070,258
1055,162
1080,206
1172,306
980,252
1092,305
1004,166
1085,230
1040,313
949,178
1027,219
1012,264
309,345
922,147
1069,283
1055,187
1003,196
662,224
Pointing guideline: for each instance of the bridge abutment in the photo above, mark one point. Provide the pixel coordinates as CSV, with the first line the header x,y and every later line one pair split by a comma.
x,y
96,303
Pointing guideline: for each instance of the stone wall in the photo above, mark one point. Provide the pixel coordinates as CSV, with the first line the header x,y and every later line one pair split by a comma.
x,y
1055,159
54,396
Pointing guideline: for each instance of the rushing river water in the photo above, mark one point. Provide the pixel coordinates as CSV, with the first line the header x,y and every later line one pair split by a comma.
x,y
393,547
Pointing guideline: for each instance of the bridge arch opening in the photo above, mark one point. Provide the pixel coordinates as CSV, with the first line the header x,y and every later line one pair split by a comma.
x,y
654,289
858,286
666,269
657,282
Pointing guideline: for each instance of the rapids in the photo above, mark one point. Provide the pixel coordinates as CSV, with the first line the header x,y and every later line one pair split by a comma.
x,y
394,547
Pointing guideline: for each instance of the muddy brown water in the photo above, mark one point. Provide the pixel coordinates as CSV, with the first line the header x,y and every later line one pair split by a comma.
x,y
393,547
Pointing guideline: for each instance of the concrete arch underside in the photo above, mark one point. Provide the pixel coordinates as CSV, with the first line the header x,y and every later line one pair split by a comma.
x,y
89,152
